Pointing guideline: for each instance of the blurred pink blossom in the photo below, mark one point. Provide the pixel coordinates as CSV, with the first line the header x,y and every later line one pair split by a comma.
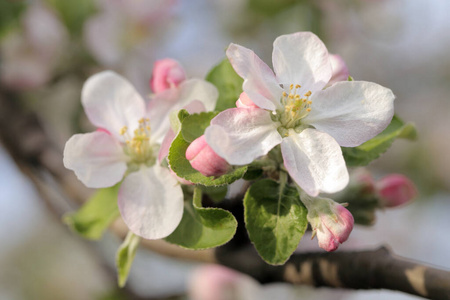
x,y
31,53
339,69
395,190
167,73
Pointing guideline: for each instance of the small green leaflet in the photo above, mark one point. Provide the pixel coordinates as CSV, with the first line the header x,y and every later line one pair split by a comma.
x,y
95,216
275,219
372,149
227,82
194,125
125,256
203,228
177,152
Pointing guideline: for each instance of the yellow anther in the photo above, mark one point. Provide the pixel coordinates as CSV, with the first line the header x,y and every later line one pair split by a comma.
x,y
141,121
304,100
291,96
147,127
308,94
309,102
297,97
285,94
291,86
308,109
297,86
123,130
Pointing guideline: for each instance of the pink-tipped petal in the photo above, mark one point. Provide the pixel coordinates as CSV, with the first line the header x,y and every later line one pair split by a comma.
x,y
240,135
111,102
314,160
96,158
339,69
301,58
260,83
352,111
151,202
245,102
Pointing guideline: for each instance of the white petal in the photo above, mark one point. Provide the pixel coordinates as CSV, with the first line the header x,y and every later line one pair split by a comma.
x,y
352,111
111,102
240,135
96,158
260,83
194,95
301,58
151,202
314,160
200,90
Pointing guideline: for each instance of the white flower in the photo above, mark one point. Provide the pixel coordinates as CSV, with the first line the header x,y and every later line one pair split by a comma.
x,y
295,111
127,144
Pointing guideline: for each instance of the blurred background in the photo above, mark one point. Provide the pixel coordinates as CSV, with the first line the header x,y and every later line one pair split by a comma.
x,y
48,48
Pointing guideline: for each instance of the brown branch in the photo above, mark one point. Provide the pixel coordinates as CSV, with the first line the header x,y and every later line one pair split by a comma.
x,y
372,269
41,160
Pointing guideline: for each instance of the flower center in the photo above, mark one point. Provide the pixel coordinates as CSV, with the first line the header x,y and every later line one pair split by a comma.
x,y
138,146
296,107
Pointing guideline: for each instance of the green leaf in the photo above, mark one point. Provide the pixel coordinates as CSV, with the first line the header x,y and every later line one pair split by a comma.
x,y
125,256
227,82
10,12
95,216
203,228
216,193
372,149
194,125
73,13
177,154
275,219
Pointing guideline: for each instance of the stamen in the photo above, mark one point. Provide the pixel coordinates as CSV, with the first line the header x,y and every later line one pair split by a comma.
x,y
308,94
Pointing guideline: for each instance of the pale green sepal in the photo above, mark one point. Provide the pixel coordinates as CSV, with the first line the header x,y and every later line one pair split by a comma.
x,y
95,216
125,256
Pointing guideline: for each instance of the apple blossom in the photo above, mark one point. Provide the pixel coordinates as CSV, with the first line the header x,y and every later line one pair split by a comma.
x,y
394,190
31,53
166,73
330,221
126,148
293,109
205,160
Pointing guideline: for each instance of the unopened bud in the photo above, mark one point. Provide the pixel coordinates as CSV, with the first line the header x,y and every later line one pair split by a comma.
x,y
395,189
245,102
330,221
203,158
167,73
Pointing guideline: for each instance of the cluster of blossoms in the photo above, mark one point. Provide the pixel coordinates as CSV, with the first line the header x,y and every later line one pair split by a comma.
x,y
306,108
128,146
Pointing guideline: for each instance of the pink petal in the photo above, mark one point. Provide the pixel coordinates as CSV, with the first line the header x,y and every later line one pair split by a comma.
x,y
351,111
240,135
301,58
111,102
314,160
96,158
260,83
151,202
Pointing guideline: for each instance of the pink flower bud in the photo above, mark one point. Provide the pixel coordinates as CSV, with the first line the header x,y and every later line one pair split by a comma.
x,y
203,158
395,190
334,229
339,69
166,73
330,221
244,101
